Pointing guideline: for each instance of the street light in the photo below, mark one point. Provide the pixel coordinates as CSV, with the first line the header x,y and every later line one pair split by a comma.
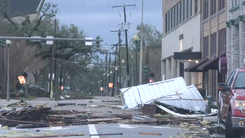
x,y
8,42
136,41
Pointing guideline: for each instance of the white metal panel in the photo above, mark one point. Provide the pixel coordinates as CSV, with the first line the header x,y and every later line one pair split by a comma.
x,y
173,92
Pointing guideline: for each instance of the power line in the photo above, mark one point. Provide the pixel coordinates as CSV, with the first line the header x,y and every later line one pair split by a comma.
x,y
126,38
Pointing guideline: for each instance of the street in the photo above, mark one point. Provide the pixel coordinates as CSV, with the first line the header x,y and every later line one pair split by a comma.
x,y
116,130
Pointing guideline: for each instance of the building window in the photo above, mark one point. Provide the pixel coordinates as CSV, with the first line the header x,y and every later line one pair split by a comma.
x,y
196,6
205,46
221,4
180,8
184,10
235,3
222,40
172,19
187,8
190,7
166,22
213,45
213,7
176,15
205,9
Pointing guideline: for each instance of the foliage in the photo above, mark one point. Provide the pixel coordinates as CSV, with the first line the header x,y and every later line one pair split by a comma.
x,y
152,41
34,57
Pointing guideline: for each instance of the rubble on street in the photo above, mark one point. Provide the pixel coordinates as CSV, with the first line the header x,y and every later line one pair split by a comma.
x,y
168,102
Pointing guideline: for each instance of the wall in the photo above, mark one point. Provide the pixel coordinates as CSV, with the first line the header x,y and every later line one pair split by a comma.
x,y
191,32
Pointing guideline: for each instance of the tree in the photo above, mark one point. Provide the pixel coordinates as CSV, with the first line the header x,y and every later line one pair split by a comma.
x,y
26,56
152,49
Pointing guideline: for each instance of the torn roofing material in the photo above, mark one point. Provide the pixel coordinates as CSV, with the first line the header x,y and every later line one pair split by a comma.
x,y
173,92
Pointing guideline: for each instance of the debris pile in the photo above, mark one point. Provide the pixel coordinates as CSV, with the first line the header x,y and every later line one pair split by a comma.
x,y
22,113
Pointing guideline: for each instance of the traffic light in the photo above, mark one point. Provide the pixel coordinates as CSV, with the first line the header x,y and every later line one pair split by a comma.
x,y
110,85
151,80
22,79
101,88
61,87
3,43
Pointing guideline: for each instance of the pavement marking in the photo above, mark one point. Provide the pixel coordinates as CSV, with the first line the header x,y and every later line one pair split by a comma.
x,y
144,133
125,126
93,131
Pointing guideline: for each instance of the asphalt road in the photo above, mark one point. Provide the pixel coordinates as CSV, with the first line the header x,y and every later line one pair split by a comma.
x,y
98,131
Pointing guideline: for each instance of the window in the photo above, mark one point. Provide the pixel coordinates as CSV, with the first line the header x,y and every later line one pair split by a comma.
x,y
196,6
214,84
222,40
205,9
205,46
234,3
190,7
230,79
213,44
239,82
177,7
166,22
213,7
187,9
184,10
180,8
221,4
175,15
170,20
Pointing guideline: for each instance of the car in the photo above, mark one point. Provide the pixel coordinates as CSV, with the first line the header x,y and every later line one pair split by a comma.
x,y
231,104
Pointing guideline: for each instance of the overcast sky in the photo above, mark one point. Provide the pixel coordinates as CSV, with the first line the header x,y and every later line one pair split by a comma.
x,y
97,17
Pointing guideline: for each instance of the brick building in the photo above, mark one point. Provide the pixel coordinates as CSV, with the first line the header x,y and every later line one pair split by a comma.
x,y
235,51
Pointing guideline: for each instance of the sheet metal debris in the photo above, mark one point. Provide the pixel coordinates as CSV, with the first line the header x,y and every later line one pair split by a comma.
x,y
173,92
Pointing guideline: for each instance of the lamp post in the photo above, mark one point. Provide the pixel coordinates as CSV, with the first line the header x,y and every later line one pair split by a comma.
x,y
141,44
8,42
136,41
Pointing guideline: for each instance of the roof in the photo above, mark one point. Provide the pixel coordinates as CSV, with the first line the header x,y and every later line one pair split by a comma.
x,y
173,92
23,7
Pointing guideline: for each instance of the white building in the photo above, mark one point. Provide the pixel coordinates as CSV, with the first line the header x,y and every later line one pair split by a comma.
x,y
181,44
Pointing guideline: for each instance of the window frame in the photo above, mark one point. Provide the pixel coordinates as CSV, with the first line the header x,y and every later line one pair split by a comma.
x,y
221,4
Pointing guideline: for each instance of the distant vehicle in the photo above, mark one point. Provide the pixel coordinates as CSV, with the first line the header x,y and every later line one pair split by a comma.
x,y
231,104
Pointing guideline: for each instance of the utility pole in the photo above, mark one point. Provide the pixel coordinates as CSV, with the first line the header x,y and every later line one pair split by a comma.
x,y
8,95
141,45
126,40
109,73
52,64
106,83
118,61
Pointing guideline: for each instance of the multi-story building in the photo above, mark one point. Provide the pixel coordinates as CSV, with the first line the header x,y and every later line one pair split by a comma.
x,y
235,51
181,41
213,37
193,28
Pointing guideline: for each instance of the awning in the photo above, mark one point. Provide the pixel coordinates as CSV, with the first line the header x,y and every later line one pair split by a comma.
x,y
193,68
212,64
187,55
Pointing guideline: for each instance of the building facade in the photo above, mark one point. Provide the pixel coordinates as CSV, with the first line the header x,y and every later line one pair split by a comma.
x,y
235,35
181,40
213,45
199,27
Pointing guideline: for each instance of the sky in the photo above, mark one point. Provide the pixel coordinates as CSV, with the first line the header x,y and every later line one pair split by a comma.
x,y
97,17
